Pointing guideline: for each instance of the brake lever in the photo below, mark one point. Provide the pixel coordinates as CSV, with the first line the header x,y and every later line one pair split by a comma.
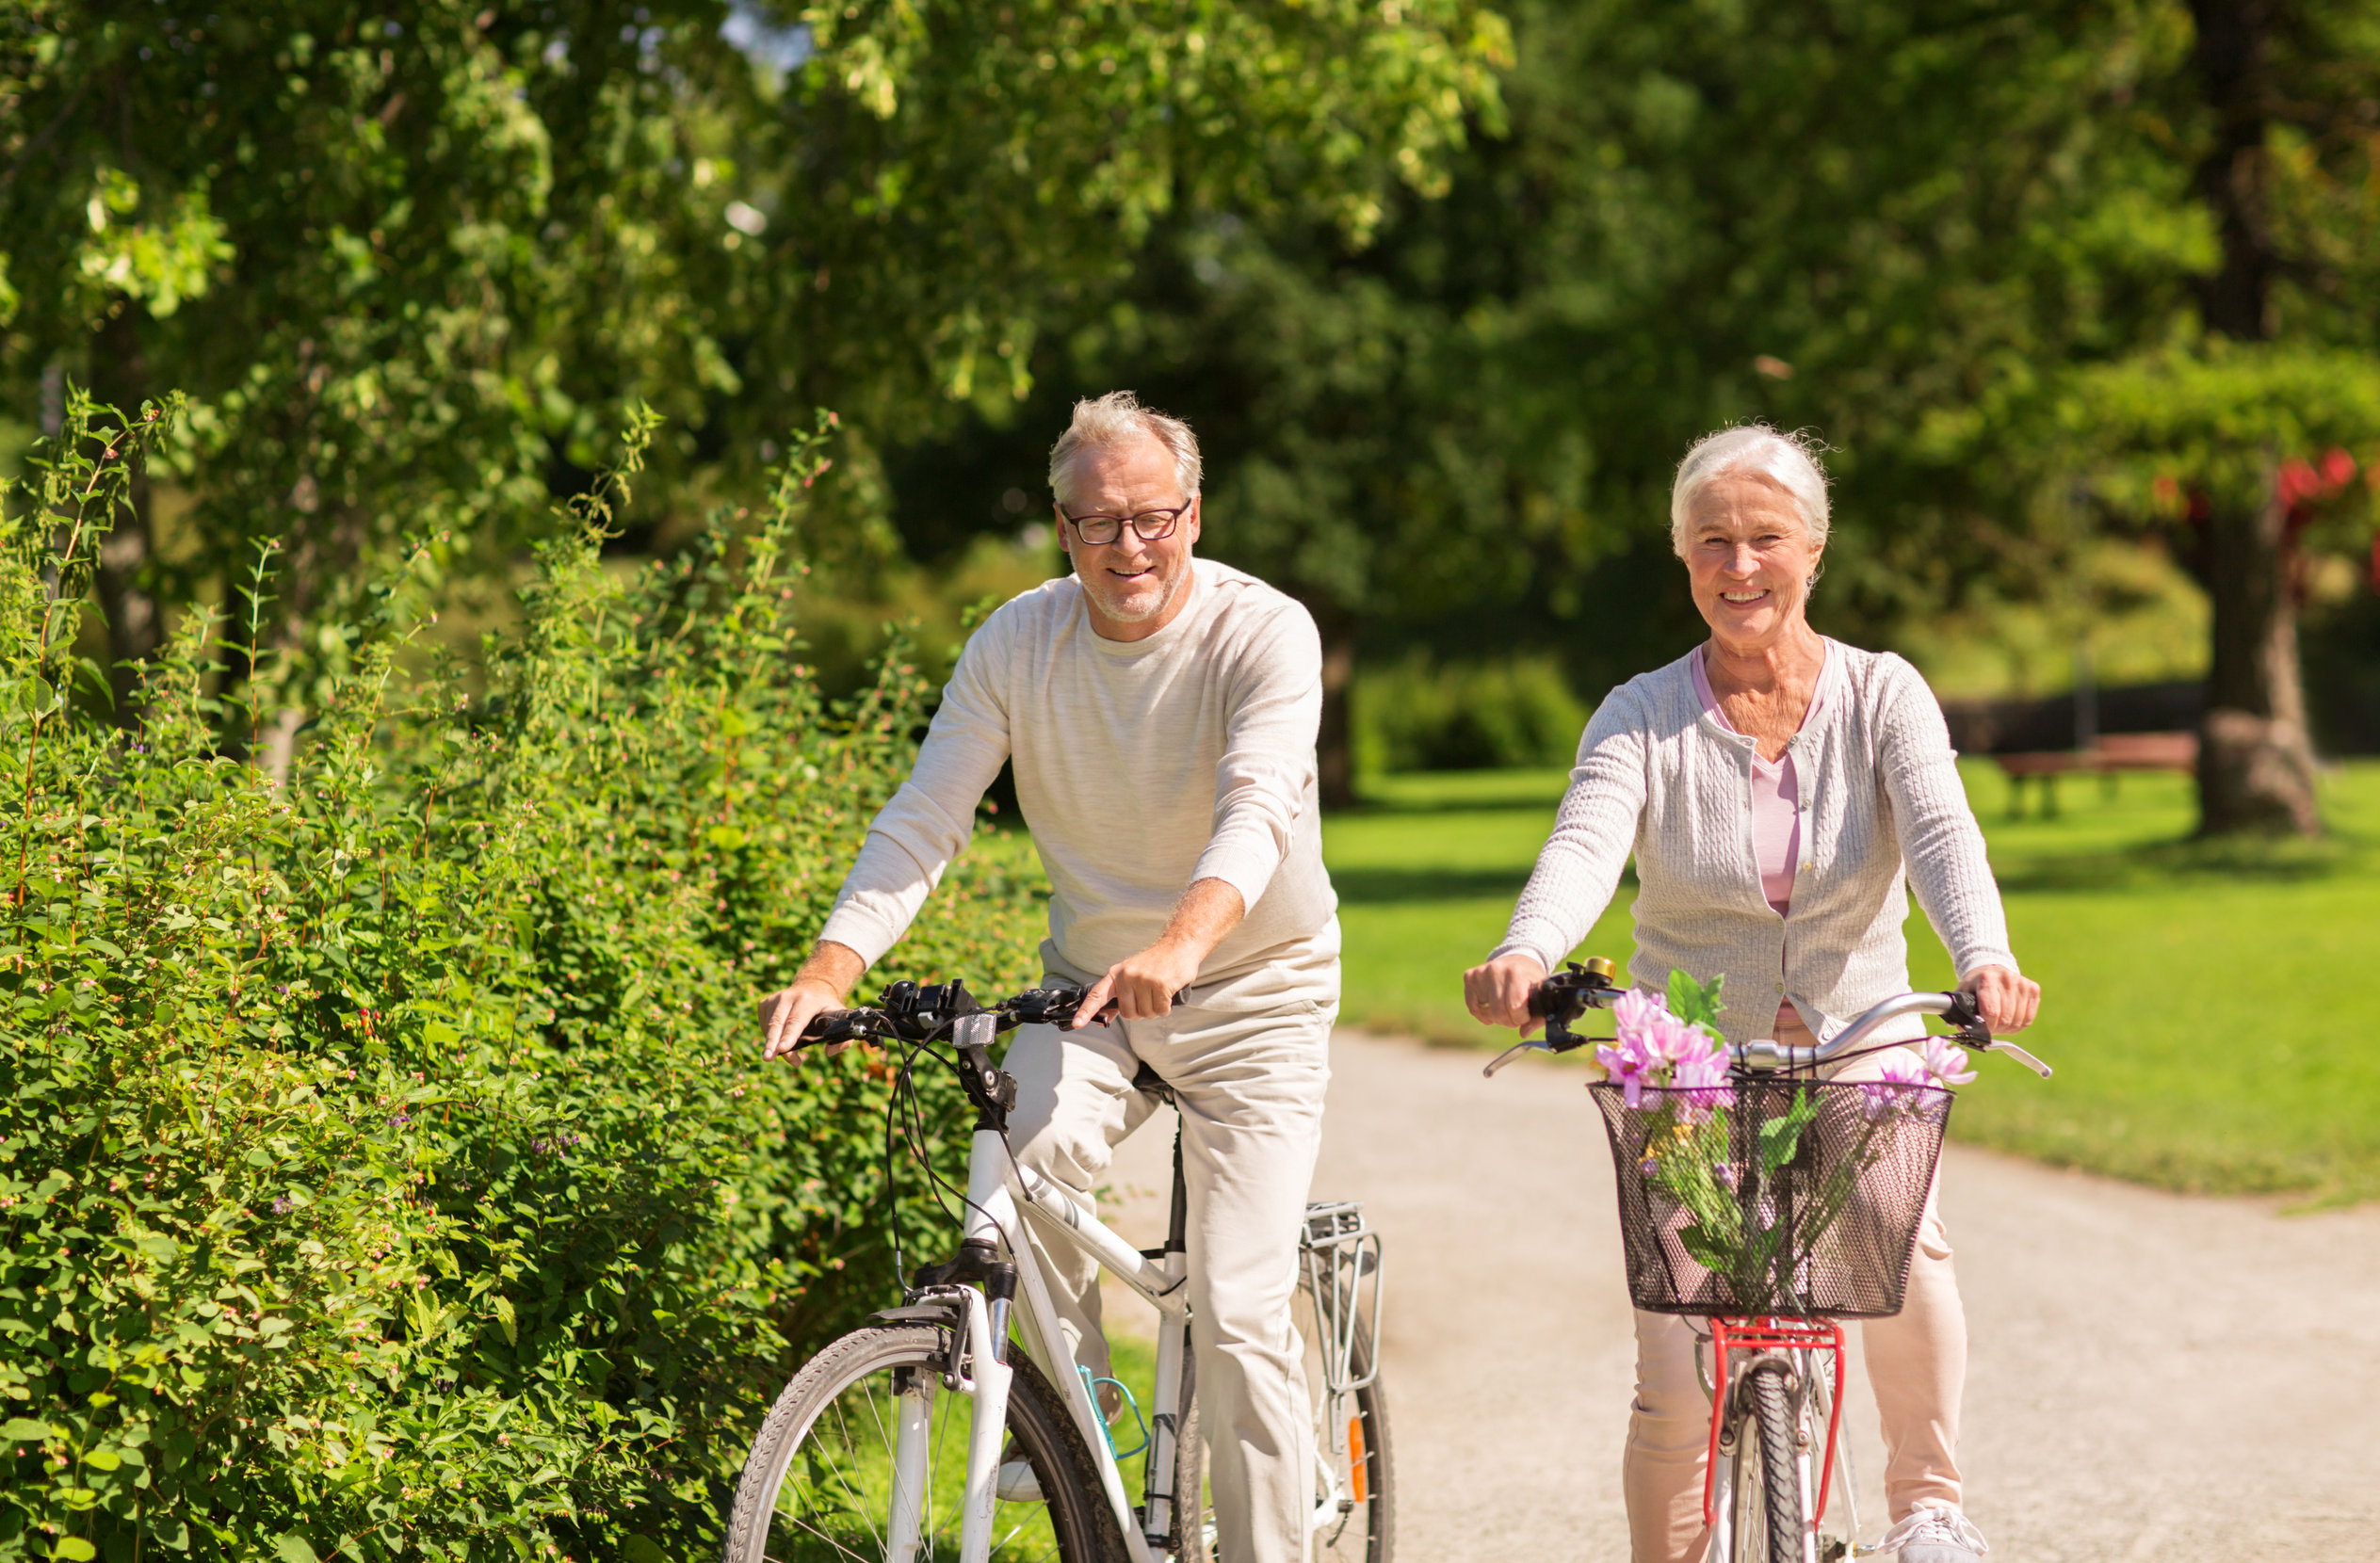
x,y
1558,1038
1994,1045
1531,1045
1974,1032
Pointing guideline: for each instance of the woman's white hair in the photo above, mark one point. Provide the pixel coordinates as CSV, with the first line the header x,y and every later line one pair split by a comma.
x,y
1788,461
1103,423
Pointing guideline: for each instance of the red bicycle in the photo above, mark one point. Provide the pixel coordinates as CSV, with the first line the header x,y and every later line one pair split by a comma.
x,y
1775,1205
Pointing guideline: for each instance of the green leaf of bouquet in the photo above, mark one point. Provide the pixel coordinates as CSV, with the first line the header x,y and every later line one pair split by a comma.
x,y
75,1547
19,1429
1710,1255
1781,1136
295,1548
1695,1003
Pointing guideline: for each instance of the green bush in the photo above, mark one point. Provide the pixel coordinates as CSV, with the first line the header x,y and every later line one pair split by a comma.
x,y
1415,716
385,1168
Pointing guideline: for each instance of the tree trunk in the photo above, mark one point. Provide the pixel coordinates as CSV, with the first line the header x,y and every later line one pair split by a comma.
x,y
135,628
2255,763
1334,748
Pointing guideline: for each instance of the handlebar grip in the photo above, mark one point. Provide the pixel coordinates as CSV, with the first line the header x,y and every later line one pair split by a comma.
x,y
830,1025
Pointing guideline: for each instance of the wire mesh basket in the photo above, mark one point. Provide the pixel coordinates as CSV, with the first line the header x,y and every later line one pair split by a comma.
x,y
1785,1196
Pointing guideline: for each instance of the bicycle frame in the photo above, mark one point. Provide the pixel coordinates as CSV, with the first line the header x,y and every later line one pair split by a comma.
x,y
1000,1192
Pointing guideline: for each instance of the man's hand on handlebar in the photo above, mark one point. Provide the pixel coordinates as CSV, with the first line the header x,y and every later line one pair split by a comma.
x,y
2008,1001
1498,993
1145,986
1140,986
817,989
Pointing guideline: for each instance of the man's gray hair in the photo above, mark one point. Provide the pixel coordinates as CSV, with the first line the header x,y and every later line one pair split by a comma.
x,y
1788,461
1103,423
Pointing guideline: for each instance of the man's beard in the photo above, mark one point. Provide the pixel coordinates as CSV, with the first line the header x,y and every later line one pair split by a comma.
x,y
1156,605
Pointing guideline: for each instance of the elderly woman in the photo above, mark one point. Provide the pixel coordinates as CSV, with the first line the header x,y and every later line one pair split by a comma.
x,y
1774,785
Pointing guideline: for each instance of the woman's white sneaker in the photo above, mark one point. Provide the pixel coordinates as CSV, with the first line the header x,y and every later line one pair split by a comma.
x,y
1935,1533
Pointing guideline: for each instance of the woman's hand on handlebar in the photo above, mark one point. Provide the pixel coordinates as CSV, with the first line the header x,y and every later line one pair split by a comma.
x,y
1498,993
815,990
2007,1000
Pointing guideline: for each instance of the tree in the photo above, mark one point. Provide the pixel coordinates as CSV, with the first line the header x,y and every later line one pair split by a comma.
x,y
412,262
2289,96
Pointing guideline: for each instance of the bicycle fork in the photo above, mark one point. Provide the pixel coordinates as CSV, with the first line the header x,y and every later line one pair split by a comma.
x,y
1798,1344
986,1384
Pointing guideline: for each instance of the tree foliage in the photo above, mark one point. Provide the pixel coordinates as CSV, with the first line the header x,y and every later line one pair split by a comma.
x,y
412,262
1978,250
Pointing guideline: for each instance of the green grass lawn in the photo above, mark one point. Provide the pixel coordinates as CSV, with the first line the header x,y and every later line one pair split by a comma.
x,y
2206,1009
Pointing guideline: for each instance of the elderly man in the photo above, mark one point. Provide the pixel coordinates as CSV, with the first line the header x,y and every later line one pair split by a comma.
x,y
1160,711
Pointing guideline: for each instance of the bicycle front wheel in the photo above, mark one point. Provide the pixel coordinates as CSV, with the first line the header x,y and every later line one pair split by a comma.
x,y
1768,1482
824,1482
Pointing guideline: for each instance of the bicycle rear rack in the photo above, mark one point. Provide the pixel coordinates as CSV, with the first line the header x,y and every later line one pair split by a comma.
x,y
1341,1257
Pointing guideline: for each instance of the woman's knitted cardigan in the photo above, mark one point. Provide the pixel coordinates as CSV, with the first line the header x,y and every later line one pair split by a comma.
x,y
1658,775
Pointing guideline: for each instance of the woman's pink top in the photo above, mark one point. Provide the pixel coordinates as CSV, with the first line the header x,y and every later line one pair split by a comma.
x,y
1777,796
1776,814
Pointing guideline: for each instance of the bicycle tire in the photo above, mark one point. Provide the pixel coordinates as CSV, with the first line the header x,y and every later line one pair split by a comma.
x,y
1770,1444
1374,1541
768,1524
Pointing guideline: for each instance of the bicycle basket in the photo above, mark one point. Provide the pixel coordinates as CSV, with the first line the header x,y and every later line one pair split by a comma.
x,y
1787,1195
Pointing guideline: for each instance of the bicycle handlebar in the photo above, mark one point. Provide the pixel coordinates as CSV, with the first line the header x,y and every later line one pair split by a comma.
x,y
905,1012
1568,994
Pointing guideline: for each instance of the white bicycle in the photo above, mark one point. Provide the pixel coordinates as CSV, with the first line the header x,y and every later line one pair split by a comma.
x,y
925,1435
1769,1209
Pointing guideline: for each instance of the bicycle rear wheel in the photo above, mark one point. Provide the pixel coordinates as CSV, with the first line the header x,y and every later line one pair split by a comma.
x,y
1354,1478
818,1485
1768,1483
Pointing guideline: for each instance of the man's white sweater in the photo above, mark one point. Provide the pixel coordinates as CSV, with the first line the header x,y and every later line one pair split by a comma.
x,y
1141,767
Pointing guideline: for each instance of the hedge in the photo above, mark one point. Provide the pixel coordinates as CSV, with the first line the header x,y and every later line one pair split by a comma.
x,y
385,1166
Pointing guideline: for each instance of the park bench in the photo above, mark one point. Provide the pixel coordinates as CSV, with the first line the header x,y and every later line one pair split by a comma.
x,y
2111,755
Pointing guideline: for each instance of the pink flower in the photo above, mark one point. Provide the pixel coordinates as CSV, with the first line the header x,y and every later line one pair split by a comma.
x,y
1946,1062
1630,1064
1635,1012
1675,1041
1656,1048
1896,1067
1703,1078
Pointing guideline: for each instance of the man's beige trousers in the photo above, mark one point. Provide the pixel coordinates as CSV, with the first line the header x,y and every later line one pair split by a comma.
x,y
1248,1064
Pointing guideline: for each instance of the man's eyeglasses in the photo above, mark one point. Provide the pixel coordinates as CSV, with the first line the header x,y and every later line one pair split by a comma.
x,y
1149,526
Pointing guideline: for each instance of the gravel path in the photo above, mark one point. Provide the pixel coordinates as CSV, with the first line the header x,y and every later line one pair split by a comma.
x,y
2152,1376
